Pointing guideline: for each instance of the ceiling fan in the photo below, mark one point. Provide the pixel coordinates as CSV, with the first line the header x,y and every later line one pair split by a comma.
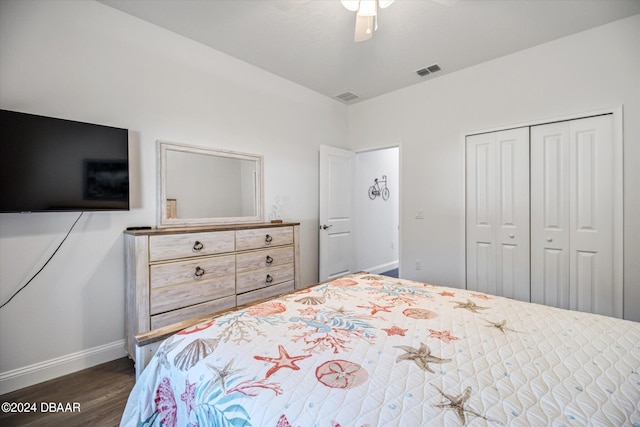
x,y
366,16
366,13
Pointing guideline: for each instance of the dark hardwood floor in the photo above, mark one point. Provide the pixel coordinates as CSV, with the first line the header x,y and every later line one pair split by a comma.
x,y
100,393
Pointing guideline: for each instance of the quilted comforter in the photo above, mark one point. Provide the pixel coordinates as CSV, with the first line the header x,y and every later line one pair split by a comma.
x,y
370,350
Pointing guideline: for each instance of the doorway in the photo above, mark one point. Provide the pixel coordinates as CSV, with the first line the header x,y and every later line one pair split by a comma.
x,y
377,206
359,215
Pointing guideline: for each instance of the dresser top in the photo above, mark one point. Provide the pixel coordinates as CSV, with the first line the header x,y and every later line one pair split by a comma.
x,y
204,228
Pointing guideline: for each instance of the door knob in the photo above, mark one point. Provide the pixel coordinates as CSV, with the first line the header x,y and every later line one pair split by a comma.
x,y
511,235
324,227
549,239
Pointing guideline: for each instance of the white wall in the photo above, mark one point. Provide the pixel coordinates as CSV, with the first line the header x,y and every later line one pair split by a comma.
x,y
82,60
596,69
376,221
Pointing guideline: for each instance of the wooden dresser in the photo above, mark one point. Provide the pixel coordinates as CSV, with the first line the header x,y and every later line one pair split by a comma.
x,y
176,274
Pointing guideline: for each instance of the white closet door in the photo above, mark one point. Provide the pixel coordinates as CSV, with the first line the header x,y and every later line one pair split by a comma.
x,y
481,215
550,214
498,213
572,222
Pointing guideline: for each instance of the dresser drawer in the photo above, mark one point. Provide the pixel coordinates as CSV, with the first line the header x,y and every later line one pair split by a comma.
x,y
263,238
271,291
264,258
197,310
185,245
191,271
172,297
257,279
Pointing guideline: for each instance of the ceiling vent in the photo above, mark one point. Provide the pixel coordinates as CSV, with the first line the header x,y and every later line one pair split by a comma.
x,y
428,70
347,96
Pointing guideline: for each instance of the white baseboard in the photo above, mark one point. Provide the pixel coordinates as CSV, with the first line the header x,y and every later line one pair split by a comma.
x,y
54,368
382,267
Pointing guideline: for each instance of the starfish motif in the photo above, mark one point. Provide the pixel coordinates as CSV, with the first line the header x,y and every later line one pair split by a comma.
x,y
164,350
447,294
502,326
283,361
222,374
442,335
469,305
480,296
421,356
457,403
395,330
375,308
340,310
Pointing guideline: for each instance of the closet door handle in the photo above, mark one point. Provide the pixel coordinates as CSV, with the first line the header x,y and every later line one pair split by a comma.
x,y
549,239
268,239
199,273
269,279
269,260
197,246
511,235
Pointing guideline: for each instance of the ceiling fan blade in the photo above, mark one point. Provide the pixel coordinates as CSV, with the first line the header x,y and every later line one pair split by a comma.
x,y
365,26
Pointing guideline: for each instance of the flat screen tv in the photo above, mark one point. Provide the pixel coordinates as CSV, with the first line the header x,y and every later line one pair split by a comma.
x,y
51,164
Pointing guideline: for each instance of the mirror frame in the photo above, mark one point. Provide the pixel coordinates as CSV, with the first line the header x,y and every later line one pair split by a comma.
x,y
164,221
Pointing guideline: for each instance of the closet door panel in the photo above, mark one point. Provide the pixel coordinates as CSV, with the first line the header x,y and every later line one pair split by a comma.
x,y
553,289
512,194
497,200
572,223
591,216
550,214
480,202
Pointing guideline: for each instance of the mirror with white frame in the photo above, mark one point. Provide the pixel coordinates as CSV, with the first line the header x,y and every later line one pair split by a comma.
x,y
206,186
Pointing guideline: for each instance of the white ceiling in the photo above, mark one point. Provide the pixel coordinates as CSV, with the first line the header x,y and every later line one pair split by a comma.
x,y
310,42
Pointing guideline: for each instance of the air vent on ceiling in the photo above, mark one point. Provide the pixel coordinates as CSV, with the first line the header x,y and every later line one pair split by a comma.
x,y
347,96
428,70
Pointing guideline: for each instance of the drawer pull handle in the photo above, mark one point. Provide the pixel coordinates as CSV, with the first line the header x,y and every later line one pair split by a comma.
x,y
199,273
269,279
269,260
197,246
268,239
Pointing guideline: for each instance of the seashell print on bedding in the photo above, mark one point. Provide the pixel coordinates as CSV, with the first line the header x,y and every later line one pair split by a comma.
x,y
311,300
194,352
420,313
268,308
341,374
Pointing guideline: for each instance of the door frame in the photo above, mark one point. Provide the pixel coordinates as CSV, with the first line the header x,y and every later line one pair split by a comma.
x,y
618,196
400,225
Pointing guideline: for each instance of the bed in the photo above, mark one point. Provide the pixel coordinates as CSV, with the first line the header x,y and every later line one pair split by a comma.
x,y
369,350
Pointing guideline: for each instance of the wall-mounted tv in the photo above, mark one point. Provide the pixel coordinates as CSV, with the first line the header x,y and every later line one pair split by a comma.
x,y
51,164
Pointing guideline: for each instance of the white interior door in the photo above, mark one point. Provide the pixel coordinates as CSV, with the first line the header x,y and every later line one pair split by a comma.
x,y
336,210
498,213
573,183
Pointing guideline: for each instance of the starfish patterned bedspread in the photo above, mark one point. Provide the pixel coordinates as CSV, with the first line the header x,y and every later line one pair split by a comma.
x,y
369,350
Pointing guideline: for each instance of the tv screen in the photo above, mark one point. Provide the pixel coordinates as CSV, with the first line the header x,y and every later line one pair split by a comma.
x,y
50,164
